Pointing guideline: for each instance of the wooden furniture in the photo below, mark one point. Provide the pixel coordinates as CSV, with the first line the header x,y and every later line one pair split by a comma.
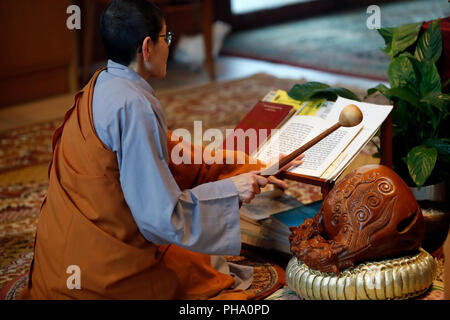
x,y
177,14
38,52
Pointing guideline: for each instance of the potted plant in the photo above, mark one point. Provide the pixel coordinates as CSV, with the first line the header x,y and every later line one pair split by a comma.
x,y
421,144
421,119
421,111
421,122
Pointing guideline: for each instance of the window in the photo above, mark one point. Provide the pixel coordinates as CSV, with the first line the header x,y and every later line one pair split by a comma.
x,y
246,6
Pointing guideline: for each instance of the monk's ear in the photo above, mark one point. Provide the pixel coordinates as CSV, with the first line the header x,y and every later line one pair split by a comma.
x,y
147,47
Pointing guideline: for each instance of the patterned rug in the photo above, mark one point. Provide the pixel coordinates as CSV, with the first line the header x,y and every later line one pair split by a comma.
x,y
27,146
19,211
217,105
338,43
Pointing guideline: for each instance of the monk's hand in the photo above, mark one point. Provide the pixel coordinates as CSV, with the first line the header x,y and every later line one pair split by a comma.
x,y
277,182
248,185
294,163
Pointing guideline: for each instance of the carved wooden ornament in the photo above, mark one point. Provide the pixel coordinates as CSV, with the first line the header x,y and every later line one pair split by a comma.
x,y
370,214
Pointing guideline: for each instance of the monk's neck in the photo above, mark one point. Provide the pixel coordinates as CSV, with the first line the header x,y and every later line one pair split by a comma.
x,y
139,68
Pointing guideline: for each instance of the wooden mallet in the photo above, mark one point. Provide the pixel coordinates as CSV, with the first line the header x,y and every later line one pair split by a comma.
x,y
350,116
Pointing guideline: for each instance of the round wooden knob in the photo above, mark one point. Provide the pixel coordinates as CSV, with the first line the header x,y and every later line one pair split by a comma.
x,y
350,116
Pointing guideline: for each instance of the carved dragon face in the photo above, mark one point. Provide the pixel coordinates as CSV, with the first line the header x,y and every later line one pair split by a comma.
x,y
373,212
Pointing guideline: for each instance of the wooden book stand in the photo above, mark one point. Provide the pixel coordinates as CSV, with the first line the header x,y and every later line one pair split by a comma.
x,y
326,185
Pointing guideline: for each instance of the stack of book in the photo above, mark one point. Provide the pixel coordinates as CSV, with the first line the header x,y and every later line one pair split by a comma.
x,y
265,221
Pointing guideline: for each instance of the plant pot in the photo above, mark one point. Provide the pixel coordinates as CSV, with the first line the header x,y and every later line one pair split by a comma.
x,y
436,217
434,192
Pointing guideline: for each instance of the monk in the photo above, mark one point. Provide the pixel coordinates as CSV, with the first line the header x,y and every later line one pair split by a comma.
x,y
121,220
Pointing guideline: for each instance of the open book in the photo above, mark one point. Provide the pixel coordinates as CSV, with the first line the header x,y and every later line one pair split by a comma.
x,y
331,156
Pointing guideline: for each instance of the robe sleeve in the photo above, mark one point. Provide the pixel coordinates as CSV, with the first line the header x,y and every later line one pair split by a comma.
x,y
190,175
202,218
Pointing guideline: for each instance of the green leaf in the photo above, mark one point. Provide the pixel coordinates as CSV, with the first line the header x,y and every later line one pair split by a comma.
x,y
442,147
387,34
401,73
430,81
402,119
437,99
421,161
309,90
371,91
379,88
305,90
429,46
405,93
397,39
333,92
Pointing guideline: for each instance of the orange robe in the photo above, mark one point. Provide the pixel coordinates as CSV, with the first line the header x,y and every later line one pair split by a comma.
x,y
85,221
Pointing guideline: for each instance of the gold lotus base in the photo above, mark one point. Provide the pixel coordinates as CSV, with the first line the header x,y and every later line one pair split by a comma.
x,y
400,278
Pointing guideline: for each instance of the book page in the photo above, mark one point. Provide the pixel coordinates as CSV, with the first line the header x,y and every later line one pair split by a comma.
x,y
319,157
298,131
373,117
295,132
273,133
373,114
330,157
350,153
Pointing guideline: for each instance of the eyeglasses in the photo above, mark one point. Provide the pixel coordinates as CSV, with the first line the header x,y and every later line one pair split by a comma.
x,y
167,37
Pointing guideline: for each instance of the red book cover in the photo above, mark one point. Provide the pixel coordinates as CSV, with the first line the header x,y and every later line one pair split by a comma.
x,y
264,115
